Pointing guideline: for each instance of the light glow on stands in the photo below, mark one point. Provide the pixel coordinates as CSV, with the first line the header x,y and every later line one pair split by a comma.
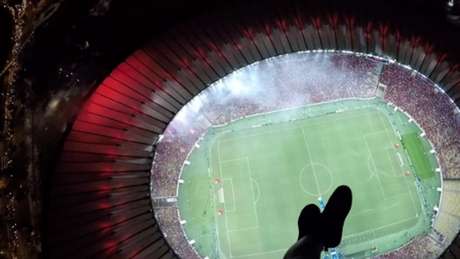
x,y
197,103
236,85
437,87
408,68
171,199
184,114
160,137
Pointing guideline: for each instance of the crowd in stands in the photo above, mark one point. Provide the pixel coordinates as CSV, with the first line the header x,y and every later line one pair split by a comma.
x,y
172,151
169,223
419,247
296,80
431,108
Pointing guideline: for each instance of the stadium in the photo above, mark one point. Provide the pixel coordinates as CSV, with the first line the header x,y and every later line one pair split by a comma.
x,y
207,141
226,134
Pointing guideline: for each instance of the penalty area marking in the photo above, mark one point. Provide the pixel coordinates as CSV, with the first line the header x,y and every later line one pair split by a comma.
x,y
256,185
253,192
375,168
233,194
225,217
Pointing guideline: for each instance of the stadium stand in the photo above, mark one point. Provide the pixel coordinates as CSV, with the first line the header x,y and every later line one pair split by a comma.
x,y
448,218
450,203
105,179
422,247
169,217
444,225
430,108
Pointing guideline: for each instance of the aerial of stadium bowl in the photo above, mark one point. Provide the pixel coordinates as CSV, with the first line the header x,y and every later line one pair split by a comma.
x,y
348,130
206,139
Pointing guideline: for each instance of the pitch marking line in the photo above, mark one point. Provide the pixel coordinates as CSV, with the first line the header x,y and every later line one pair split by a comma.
x,y
268,132
374,133
260,253
253,192
232,160
397,196
317,188
242,229
256,185
225,217
375,168
389,153
389,136
384,226
311,162
371,172
272,131
227,228
375,210
405,181
214,205
233,194
266,155
219,247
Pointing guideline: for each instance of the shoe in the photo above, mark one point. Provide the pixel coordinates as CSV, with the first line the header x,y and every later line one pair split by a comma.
x,y
307,245
309,221
333,216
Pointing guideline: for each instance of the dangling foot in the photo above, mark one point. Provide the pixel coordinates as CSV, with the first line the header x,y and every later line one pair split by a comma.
x,y
333,216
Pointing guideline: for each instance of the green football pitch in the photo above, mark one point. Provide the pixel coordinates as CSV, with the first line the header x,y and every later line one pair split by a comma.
x,y
247,181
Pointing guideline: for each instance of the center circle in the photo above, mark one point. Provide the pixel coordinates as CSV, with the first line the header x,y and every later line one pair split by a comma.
x,y
315,179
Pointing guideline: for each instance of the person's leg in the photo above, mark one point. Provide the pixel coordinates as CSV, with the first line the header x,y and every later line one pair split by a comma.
x,y
318,231
333,216
305,247
308,221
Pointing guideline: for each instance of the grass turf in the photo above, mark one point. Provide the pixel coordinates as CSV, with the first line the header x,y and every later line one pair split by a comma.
x,y
248,180
414,146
